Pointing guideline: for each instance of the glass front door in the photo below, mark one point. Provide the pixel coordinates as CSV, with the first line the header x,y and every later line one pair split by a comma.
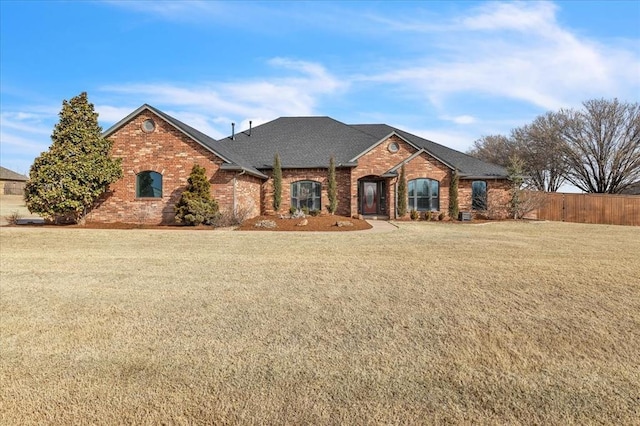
x,y
369,197
372,197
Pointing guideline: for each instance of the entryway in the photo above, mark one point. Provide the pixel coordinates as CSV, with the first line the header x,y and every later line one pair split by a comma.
x,y
372,197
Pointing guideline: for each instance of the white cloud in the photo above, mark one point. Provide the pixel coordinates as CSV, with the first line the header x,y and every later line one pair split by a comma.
x,y
211,107
183,10
459,119
514,51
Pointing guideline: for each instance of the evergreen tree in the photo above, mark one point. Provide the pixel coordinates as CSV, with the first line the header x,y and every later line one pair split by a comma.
x,y
277,183
402,193
196,206
453,195
331,190
65,181
516,171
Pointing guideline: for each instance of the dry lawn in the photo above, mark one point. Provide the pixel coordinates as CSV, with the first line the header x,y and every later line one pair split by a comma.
x,y
498,323
14,204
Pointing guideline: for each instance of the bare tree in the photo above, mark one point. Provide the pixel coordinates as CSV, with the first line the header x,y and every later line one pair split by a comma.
x,y
539,145
602,145
495,149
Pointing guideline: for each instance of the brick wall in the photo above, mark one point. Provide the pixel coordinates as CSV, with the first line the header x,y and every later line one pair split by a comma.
x,y
167,151
319,175
497,197
379,160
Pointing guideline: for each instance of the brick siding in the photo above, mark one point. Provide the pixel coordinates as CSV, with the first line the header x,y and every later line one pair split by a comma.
x,y
168,151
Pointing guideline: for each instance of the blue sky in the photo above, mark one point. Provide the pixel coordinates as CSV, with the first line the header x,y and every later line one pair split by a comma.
x,y
448,71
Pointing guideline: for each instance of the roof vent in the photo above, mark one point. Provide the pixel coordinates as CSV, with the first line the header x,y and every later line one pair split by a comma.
x,y
233,131
249,127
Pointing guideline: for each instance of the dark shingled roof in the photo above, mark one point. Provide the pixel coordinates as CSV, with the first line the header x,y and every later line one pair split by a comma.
x,y
466,165
309,142
6,174
301,142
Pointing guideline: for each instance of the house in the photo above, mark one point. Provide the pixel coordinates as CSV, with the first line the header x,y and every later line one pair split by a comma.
x,y
11,183
158,152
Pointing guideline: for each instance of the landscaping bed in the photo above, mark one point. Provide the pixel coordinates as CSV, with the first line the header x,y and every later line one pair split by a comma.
x,y
313,223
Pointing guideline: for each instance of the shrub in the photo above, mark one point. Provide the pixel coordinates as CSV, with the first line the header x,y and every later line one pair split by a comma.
x,y
297,214
428,215
292,210
314,212
453,195
277,183
230,218
196,207
414,215
331,189
12,218
441,216
305,210
402,193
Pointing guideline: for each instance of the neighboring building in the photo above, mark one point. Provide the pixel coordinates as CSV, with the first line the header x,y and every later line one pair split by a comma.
x,y
11,183
158,152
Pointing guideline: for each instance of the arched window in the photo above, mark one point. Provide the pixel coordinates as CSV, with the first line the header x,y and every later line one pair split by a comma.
x,y
149,185
479,195
306,193
424,195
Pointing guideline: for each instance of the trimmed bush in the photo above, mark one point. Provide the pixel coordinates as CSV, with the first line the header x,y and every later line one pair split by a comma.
x,y
402,193
277,183
196,207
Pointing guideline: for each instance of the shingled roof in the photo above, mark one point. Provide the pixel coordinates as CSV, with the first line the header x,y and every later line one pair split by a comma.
x,y
309,142
466,165
6,174
306,142
301,142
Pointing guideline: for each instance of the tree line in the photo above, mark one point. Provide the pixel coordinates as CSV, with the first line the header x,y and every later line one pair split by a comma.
x,y
596,148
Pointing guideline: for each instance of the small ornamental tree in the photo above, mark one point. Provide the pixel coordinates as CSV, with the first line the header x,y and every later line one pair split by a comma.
x,y
196,207
331,187
65,181
515,172
453,195
402,193
277,183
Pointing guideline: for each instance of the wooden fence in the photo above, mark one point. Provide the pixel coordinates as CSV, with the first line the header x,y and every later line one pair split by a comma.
x,y
590,208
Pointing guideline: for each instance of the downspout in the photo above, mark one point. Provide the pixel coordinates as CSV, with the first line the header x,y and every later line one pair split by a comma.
x,y
235,184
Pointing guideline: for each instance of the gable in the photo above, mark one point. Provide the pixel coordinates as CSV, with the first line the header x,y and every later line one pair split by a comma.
x,y
466,165
229,159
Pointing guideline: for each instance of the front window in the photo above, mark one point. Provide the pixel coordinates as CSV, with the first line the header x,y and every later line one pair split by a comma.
x,y
149,185
424,195
479,195
306,193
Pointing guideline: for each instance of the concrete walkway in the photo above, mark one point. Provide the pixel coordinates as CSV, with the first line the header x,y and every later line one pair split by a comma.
x,y
380,226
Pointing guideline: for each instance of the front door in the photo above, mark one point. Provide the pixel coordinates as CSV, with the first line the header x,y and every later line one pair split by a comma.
x,y
370,197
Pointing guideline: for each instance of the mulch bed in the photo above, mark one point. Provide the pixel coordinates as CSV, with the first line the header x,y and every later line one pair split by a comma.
x,y
317,223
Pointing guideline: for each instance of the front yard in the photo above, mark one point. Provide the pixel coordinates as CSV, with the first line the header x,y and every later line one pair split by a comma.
x,y
500,322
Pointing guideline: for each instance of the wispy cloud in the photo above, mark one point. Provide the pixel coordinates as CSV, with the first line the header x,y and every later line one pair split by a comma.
x,y
516,51
295,92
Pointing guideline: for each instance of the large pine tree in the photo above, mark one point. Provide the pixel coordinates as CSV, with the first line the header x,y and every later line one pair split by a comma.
x,y
65,181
